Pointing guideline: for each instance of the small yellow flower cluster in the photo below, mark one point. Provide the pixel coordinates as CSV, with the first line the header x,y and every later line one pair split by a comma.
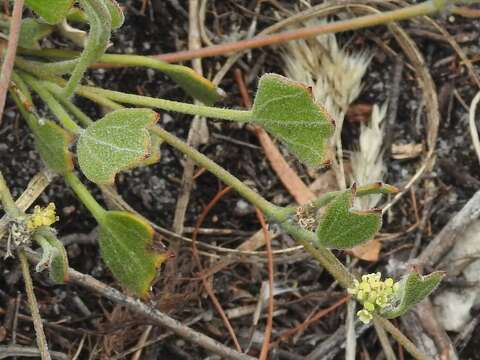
x,y
42,217
373,293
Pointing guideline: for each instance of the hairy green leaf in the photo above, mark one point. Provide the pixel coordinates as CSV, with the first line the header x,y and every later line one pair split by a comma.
x,y
413,289
155,153
116,13
193,83
340,227
52,11
126,244
287,109
31,32
54,256
76,14
52,142
118,141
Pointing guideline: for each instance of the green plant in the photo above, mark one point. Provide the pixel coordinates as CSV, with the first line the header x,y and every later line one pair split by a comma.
x,y
127,138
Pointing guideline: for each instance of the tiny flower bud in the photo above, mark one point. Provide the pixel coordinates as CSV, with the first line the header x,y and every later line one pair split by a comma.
x,y
364,316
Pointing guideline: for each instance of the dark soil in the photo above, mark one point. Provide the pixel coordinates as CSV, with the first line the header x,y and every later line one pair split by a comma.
x,y
152,191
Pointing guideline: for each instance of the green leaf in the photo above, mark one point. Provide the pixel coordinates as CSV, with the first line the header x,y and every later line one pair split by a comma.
x,y
126,245
413,289
155,154
340,227
52,142
54,256
287,109
76,14
31,32
193,83
100,22
118,141
52,11
116,13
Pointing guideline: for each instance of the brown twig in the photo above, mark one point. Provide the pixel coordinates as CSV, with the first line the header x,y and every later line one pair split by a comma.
x,y
8,61
393,97
269,325
11,351
303,33
151,313
206,283
311,320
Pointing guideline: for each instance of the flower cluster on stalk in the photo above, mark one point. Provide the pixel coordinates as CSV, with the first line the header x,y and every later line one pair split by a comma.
x,y
42,217
374,294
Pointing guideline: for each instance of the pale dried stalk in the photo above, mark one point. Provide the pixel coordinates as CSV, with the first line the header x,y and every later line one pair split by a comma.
x,y
9,58
32,302
367,163
473,126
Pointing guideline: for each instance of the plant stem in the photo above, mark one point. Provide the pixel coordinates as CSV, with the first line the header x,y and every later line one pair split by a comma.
x,y
51,53
323,255
242,116
47,68
364,190
56,90
267,207
32,302
100,100
56,108
384,341
110,59
136,60
306,238
85,197
7,200
402,339
106,96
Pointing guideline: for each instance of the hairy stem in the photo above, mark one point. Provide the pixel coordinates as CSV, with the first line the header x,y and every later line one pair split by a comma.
x,y
100,22
32,302
85,197
306,238
169,105
7,200
97,94
99,99
323,255
56,108
256,199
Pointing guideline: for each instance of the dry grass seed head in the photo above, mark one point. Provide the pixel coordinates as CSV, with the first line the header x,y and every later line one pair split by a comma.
x,y
367,163
334,73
